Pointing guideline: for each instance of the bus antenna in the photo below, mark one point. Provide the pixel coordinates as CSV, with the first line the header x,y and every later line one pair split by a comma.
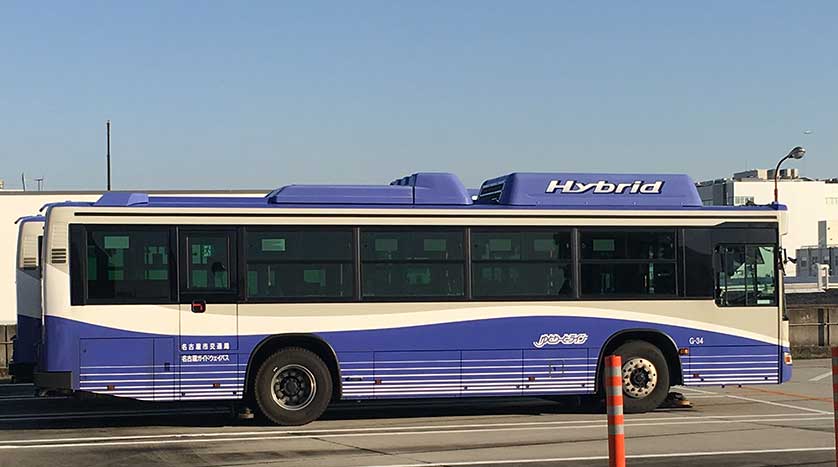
x,y
108,127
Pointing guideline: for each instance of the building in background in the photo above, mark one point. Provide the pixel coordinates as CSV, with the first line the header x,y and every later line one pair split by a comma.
x,y
809,257
809,202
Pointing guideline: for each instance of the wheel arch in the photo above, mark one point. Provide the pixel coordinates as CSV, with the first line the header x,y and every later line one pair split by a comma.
x,y
267,346
660,339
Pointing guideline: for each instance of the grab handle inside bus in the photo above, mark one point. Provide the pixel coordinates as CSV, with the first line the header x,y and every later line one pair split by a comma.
x,y
199,306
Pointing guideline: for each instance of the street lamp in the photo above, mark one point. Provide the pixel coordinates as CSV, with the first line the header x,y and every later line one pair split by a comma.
x,y
796,153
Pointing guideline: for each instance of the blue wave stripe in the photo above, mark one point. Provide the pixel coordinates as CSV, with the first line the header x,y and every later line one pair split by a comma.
x,y
408,367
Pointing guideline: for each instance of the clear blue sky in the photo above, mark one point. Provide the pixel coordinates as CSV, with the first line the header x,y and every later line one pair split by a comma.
x,y
261,94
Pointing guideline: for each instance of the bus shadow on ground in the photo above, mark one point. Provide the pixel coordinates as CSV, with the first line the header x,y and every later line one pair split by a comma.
x,y
418,408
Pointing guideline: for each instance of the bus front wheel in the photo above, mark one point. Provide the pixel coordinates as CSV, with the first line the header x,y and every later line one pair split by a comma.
x,y
293,387
645,376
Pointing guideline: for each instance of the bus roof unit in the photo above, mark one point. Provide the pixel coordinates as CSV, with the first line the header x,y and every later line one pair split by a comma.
x,y
424,188
590,189
534,190
120,199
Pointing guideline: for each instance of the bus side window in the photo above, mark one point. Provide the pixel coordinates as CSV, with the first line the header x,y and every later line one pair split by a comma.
x,y
302,263
125,265
627,262
525,263
412,263
210,262
746,275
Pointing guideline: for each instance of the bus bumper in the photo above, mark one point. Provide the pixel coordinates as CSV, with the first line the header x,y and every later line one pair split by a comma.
x,y
786,366
53,379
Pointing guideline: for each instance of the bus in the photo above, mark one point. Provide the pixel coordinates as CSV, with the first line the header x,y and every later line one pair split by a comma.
x,y
28,290
318,293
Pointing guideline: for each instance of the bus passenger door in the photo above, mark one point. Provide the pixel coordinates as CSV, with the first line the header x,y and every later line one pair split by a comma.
x,y
209,294
746,300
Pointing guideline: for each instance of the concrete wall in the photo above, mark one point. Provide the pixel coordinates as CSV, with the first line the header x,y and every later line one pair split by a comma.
x,y
813,325
813,318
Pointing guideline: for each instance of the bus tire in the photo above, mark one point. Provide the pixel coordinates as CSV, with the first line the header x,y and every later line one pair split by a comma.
x,y
293,386
645,376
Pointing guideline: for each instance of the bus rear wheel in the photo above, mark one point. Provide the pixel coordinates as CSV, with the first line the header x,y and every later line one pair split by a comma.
x,y
645,376
293,387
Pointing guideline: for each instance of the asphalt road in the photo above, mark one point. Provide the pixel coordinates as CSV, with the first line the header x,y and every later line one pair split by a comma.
x,y
785,425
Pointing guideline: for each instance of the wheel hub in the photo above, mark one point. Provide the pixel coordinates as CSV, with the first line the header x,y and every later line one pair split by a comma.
x,y
640,377
293,387
290,387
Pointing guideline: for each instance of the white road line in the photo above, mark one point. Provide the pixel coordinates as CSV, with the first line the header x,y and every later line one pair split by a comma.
x,y
820,377
596,458
697,391
707,396
695,419
778,404
232,438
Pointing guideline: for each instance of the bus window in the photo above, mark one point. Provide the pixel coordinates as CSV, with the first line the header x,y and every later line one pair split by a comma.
x,y
129,266
299,263
628,245
746,275
412,263
210,266
524,264
628,263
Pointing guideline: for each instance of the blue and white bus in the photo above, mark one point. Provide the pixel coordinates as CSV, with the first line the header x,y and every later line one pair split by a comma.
x,y
28,293
313,294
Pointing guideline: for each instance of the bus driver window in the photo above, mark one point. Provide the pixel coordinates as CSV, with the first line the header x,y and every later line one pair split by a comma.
x,y
745,275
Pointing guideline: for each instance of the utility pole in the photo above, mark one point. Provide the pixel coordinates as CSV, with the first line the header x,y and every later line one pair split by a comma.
x,y
108,125
23,180
40,181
